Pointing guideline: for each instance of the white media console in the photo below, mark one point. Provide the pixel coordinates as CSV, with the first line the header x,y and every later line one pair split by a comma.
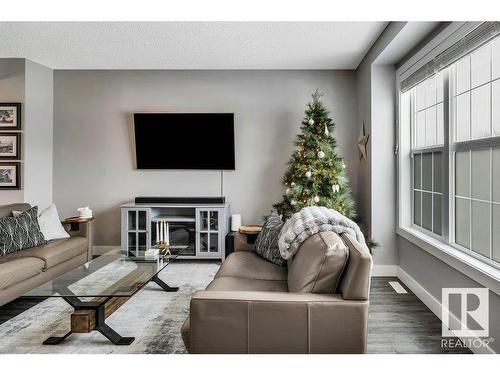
x,y
199,230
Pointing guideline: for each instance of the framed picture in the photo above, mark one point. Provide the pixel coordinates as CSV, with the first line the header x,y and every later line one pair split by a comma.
x,y
10,146
10,116
10,176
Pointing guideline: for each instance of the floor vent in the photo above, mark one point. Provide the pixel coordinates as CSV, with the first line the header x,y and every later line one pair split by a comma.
x,y
397,287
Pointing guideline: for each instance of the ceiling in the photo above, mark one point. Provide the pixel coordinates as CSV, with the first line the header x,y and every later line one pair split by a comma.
x,y
190,45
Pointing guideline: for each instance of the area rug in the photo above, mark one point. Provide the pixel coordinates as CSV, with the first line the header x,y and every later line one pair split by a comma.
x,y
153,316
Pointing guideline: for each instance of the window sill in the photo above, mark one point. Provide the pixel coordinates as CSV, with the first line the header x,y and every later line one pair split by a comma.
x,y
484,274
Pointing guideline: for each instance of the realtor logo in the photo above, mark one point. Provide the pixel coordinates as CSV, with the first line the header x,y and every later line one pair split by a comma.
x,y
472,305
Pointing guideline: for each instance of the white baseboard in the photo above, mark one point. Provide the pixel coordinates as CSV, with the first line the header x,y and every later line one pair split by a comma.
x,y
384,270
434,305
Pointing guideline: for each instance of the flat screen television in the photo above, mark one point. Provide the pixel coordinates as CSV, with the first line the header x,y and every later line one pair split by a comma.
x,y
184,140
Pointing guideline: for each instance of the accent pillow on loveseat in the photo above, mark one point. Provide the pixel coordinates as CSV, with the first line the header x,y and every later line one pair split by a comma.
x,y
21,232
266,244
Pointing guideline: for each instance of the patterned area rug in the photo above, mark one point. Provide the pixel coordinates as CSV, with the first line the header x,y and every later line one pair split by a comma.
x,y
153,316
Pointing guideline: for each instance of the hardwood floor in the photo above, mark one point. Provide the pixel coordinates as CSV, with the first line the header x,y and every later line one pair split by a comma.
x,y
401,323
398,323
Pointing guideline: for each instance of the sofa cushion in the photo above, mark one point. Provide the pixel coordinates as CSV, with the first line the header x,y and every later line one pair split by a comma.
x,y
249,265
17,270
7,209
266,244
22,232
242,284
318,265
54,252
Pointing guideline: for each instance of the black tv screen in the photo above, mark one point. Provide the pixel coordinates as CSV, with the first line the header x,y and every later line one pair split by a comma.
x,y
184,140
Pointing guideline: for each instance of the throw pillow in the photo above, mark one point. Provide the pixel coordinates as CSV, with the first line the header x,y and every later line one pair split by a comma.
x,y
50,224
266,244
22,232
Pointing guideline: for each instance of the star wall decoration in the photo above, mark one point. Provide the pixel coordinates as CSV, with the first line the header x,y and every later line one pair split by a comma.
x,y
362,142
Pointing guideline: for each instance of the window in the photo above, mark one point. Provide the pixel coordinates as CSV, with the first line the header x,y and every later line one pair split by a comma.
x,y
452,120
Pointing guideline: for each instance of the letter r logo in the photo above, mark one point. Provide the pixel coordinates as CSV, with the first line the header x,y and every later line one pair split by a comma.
x,y
473,309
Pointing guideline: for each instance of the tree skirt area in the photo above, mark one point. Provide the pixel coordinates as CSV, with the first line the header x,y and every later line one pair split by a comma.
x,y
154,317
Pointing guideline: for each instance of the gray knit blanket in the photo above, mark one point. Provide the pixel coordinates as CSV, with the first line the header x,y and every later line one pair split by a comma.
x,y
311,220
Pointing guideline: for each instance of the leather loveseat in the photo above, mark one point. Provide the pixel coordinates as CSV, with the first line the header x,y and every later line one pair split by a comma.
x,y
248,307
29,268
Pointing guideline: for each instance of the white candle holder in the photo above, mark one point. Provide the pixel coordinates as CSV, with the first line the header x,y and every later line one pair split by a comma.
x,y
163,238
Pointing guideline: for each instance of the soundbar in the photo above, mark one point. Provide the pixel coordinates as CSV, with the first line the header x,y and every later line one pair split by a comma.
x,y
180,200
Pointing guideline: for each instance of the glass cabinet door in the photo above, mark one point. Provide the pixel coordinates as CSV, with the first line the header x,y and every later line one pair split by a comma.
x,y
208,233
142,217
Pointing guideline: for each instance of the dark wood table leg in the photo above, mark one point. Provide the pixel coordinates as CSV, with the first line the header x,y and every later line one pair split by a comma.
x,y
164,285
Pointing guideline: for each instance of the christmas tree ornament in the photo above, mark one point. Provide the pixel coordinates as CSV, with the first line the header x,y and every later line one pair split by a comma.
x,y
316,199
310,121
336,188
293,202
287,191
326,130
308,174
292,184
321,154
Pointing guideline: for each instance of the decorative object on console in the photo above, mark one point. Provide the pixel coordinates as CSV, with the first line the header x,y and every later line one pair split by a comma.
x,y
10,116
180,200
266,244
84,212
10,145
21,232
316,169
162,237
10,176
235,222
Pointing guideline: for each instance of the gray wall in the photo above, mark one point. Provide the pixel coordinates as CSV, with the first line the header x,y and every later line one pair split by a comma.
x,y
376,176
38,129
12,91
433,275
383,179
93,155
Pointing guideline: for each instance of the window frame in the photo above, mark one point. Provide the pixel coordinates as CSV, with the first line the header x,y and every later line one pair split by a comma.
x,y
478,267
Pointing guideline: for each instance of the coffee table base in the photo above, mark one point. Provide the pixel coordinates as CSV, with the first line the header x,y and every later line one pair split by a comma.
x,y
99,324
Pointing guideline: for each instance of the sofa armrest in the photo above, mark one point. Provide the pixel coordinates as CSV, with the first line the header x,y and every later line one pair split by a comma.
x,y
270,322
242,243
83,229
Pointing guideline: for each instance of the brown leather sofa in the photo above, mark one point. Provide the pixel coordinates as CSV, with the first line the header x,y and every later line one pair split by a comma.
x,y
26,269
248,308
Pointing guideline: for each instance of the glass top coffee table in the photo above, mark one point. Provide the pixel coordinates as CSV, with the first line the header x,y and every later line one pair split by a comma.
x,y
98,288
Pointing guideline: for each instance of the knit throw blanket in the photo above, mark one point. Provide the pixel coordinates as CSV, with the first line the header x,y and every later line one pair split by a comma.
x,y
311,220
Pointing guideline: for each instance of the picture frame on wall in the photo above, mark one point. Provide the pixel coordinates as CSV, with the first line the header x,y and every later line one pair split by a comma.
x,y
10,146
10,176
10,116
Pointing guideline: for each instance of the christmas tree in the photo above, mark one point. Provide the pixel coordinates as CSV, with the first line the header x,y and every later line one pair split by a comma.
x,y
316,173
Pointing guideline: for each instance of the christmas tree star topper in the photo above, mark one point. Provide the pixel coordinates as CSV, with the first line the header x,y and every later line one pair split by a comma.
x,y
316,96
